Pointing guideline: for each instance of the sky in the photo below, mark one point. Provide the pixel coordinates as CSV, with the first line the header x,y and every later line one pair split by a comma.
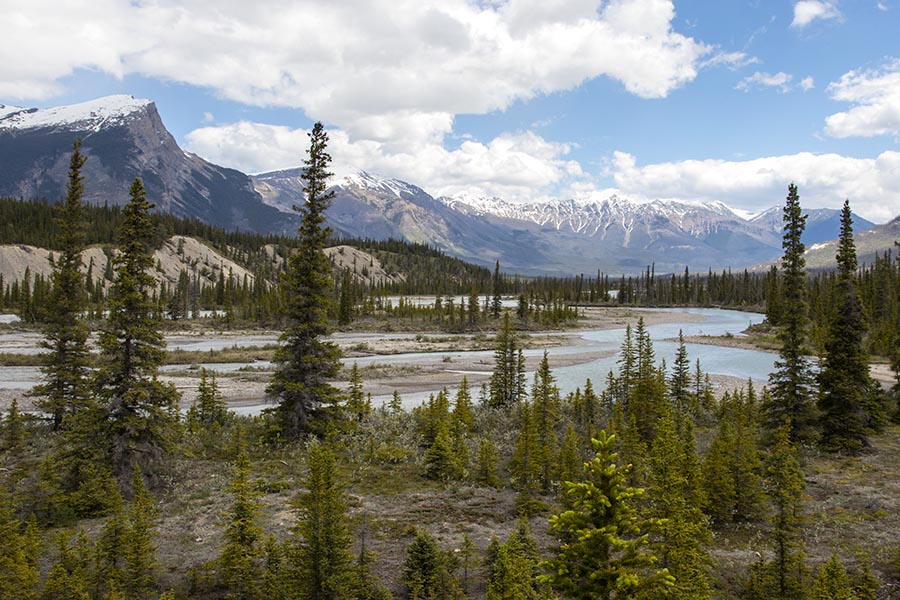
x,y
526,100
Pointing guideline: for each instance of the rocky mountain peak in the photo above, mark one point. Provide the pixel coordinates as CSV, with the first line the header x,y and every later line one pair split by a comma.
x,y
86,116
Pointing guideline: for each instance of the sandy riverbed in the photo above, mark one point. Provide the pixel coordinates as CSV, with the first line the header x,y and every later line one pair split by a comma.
x,y
247,388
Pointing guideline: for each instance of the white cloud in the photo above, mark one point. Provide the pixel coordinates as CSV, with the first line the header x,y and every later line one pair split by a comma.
x,y
732,60
516,166
780,81
807,11
883,6
807,83
824,180
387,70
876,96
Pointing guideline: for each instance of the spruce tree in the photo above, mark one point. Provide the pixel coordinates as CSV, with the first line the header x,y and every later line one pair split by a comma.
x,y
683,534
345,302
68,579
507,380
545,411
426,573
322,562
441,462
13,428
239,560
844,380
603,550
19,574
65,387
511,576
496,303
680,380
784,577
832,582
570,462
486,464
138,417
139,552
356,400
209,407
462,416
304,361
792,381
525,465
109,551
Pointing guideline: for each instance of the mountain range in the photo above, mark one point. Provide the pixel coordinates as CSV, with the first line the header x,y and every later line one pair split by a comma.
x,y
125,138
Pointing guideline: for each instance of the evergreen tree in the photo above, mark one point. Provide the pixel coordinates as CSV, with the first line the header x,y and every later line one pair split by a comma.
x,y
138,410
109,551
832,582
441,462
844,380
240,568
19,574
511,576
321,559
525,466
496,303
462,416
426,574
679,382
209,407
345,306
69,578
13,429
732,481
356,400
486,464
603,544
304,361
683,532
507,380
784,577
545,411
792,381
570,463
65,387
139,553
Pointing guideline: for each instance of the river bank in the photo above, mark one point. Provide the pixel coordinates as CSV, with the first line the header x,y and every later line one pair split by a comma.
x,y
414,364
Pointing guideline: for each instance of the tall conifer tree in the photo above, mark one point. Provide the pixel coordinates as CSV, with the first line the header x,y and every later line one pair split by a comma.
x,y
305,362
507,383
138,409
603,550
792,381
844,380
65,387
322,559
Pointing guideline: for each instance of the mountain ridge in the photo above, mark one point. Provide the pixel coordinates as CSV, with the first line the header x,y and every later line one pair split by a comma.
x,y
124,137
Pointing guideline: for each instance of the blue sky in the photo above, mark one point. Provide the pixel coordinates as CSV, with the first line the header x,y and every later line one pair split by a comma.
x,y
527,100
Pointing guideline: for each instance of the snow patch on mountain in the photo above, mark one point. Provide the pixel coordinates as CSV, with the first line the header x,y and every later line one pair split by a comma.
x,y
377,183
5,110
87,116
592,217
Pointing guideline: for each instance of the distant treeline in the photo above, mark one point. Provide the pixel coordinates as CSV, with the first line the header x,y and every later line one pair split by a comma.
x,y
427,270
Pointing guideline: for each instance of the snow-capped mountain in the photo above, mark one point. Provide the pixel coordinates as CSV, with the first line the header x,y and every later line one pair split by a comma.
x,y
594,218
87,116
681,231
370,206
822,224
124,138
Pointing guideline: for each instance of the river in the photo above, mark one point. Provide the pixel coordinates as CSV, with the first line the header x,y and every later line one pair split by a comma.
x,y
716,360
